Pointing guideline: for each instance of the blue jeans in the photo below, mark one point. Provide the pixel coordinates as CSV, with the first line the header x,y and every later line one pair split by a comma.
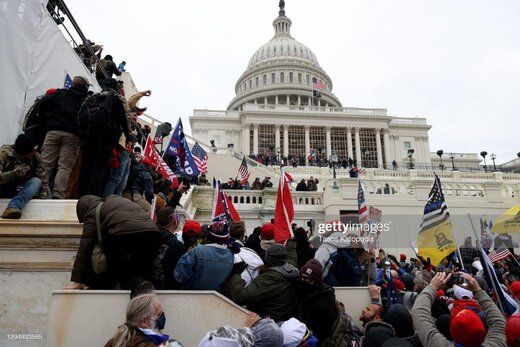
x,y
118,177
26,192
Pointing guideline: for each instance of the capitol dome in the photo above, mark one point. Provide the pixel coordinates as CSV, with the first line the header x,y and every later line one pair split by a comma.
x,y
281,72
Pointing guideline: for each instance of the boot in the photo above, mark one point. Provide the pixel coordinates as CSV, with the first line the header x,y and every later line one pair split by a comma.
x,y
12,213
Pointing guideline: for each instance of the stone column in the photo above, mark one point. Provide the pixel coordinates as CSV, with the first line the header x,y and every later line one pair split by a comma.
x,y
358,146
307,144
276,100
299,100
379,149
265,100
286,140
255,139
349,143
329,144
245,139
386,141
419,153
277,138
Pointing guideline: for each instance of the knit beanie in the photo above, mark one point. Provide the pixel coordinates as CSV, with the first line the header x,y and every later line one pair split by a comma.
x,y
513,331
314,270
276,255
467,329
443,325
218,233
267,231
24,144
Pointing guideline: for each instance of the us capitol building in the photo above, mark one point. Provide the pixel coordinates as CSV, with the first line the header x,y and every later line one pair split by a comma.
x,y
274,111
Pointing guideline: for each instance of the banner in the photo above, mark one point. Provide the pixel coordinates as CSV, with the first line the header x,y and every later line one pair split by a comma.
x,y
179,149
284,212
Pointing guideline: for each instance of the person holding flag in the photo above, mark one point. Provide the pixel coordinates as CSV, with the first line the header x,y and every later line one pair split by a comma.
x,y
179,149
284,211
223,209
435,240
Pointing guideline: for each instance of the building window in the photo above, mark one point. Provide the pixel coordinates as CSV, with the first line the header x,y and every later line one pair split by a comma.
x,y
250,84
308,79
251,139
407,145
282,77
297,142
338,139
318,142
368,140
266,139
265,80
257,81
291,77
273,78
299,78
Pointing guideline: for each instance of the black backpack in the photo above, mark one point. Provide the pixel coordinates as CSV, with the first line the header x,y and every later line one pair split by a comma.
x,y
35,123
95,116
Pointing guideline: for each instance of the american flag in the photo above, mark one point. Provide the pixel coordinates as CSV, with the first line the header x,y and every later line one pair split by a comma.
x,y
362,207
436,210
68,82
201,157
243,171
495,256
317,87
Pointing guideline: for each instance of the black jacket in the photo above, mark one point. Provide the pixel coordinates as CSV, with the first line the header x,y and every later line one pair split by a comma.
x,y
317,308
61,109
175,250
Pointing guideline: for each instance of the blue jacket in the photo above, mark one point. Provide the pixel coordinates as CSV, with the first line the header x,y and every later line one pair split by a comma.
x,y
205,267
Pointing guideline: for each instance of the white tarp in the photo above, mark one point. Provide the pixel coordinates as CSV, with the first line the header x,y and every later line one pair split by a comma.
x,y
34,57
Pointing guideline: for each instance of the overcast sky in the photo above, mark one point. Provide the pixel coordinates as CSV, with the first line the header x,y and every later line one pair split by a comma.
x,y
455,62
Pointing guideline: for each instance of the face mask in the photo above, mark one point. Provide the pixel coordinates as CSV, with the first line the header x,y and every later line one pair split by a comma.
x,y
160,322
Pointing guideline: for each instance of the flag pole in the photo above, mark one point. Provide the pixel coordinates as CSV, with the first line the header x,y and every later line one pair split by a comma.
x,y
481,251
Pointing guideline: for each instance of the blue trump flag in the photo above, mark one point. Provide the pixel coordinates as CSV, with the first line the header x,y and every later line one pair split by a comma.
x,y
179,149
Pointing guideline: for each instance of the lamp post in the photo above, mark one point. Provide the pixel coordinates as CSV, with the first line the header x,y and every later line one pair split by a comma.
x,y
452,157
365,152
334,160
440,152
493,157
410,155
483,154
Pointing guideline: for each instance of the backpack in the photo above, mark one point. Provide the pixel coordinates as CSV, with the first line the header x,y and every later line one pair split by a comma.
x,y
95,116
345,269
35,123
99,259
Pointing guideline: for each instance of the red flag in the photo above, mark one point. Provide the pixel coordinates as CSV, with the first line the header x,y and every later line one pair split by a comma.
x,y
150,152
223,209
284,212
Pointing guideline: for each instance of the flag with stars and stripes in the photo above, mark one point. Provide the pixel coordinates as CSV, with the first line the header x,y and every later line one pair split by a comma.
x,y
435,240
68,82
362,207
243,172
495,256
317,87
200,157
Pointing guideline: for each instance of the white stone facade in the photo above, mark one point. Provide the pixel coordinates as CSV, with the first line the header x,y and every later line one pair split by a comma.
x,y
275,113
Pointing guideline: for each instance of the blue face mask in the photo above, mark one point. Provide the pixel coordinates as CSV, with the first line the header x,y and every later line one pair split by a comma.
x,y
160,322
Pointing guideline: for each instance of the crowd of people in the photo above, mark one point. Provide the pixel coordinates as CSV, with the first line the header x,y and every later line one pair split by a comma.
x,y
288,286
77,142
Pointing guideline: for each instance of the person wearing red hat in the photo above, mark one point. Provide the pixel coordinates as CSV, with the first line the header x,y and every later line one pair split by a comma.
x,y
466,327
266,238
514,288
513,331
191,233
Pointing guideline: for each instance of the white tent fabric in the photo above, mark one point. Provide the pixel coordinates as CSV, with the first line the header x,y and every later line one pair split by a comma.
x,y
35,56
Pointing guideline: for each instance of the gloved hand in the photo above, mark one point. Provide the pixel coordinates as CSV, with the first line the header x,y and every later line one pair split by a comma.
x,y
238,268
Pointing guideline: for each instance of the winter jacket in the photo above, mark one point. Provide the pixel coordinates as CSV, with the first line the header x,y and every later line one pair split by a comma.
x,y
301,187
110,68
253,261
317,308
9,161
205,267
118,217
376,333
272,293
140,181
430,335
170,257
61,109
340,334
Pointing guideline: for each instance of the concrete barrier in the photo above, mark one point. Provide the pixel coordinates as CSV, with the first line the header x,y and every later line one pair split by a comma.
x,y
90,318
